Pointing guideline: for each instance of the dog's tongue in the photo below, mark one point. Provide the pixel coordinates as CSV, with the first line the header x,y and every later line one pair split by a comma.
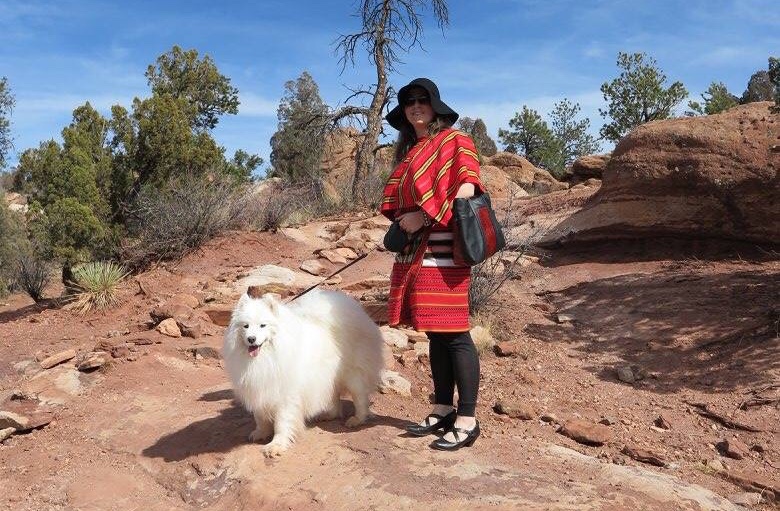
x,y
253,350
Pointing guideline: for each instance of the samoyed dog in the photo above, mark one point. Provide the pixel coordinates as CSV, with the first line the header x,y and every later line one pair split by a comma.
x,y
290,362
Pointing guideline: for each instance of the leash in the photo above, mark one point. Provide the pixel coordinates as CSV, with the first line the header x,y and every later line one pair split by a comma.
x,y
359,258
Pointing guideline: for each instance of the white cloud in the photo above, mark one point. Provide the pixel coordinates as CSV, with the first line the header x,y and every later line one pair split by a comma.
x,y
253,105
43,103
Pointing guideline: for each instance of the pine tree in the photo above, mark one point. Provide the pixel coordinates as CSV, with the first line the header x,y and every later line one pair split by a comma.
x,y
637,96
716,98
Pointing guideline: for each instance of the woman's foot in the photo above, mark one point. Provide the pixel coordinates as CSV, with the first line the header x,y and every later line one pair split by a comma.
x,y
461,422
442,417
460,437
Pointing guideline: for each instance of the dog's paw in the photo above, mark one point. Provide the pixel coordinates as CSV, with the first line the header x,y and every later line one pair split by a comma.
x,y
260,435
274,450
354,421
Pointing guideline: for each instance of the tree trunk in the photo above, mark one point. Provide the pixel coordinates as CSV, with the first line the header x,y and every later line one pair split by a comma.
x,y
365,157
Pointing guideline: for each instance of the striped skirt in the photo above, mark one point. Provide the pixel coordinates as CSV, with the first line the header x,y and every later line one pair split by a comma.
x,y
438,299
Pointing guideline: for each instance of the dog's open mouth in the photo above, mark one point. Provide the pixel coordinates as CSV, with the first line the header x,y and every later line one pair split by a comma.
x,y
253,350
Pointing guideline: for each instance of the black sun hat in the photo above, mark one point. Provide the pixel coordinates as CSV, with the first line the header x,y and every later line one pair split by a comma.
x,y
396,117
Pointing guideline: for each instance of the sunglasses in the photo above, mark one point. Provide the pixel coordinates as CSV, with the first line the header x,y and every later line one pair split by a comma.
x,y
423,100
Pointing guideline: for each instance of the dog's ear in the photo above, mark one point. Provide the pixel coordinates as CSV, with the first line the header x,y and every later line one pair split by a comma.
x,y
273,300
254,292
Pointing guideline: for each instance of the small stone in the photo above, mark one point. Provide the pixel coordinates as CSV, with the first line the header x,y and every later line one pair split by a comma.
x,y
747,499
345,252
58,358
314,267
507,349
662,422
13,420
421,348
120,351
564,318
716,465
333,256
549,418
205,352
170,309
644,456
169,327
394,382
734,448
190,328
515,408
586,432
625,374
394,338
607,421
93,360
409,358
219,316
6,432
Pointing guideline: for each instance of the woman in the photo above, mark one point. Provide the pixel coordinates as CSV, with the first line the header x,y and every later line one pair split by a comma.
x,y
434,165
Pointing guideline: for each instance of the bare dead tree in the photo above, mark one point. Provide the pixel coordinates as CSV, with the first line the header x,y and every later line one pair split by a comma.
x,y
389,27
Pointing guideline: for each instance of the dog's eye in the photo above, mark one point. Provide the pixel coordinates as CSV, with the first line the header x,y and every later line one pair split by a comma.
x,y
246,326
262,325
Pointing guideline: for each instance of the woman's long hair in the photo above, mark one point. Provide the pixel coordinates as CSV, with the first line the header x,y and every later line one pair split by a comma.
x,y
407,137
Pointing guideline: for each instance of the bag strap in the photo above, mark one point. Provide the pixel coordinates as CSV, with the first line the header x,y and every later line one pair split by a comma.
x,y
414,269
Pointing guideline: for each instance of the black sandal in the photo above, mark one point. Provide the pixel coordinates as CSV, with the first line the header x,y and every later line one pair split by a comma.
x,y
469,436
443,422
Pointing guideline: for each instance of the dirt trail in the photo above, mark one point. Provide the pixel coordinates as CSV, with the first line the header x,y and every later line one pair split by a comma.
x,y
158,429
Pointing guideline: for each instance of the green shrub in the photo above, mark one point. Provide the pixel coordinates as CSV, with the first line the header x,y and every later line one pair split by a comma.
x,y
97,285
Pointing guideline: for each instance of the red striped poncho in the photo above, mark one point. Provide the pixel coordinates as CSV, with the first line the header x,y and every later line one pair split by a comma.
x,y
429,178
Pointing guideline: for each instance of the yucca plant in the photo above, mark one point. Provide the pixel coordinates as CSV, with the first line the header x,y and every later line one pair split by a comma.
x,y
96,285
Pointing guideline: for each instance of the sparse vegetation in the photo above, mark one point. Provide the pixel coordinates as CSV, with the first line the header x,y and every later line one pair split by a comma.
x,y
170,221
33,276
487,278
96,285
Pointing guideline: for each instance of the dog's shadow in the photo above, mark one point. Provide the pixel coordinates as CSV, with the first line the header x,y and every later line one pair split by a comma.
x,y
222,433
347,410
232,426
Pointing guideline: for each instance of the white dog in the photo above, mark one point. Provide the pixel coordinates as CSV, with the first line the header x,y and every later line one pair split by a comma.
x,y
291,362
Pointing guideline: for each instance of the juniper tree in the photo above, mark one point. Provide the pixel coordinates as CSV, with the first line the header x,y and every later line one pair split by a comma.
x,y
478,131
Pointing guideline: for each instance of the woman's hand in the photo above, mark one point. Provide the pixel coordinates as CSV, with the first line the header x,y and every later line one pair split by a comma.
x,y
466,191
412,221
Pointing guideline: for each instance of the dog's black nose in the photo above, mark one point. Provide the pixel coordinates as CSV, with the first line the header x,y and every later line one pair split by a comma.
x,y
251,339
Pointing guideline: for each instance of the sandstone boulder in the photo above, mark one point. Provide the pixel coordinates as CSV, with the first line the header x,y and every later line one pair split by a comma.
x,y
587,167
713,176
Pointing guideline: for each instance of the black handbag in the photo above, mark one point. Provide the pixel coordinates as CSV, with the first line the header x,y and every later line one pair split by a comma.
x,y
396,238
477,235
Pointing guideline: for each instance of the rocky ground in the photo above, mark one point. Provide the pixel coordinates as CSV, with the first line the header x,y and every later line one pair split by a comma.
x,y
628,376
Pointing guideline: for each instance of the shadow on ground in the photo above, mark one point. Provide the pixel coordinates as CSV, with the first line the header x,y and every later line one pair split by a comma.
x,y
707,331
232,426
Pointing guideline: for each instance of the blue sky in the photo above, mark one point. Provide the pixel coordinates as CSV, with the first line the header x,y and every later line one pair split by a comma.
x,y
495,56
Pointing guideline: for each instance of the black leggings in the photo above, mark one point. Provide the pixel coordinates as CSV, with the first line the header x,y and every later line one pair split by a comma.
x,y
454,359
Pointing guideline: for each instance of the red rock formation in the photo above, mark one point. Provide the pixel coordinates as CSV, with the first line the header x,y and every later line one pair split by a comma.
x,y
714,176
